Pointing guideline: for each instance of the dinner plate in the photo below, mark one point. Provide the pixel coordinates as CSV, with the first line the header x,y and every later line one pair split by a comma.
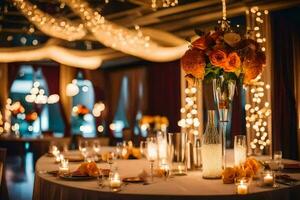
x,y
76,177
53,172
74,158
133,179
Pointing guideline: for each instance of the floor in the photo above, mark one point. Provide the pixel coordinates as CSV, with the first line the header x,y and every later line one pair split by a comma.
x,y
20,177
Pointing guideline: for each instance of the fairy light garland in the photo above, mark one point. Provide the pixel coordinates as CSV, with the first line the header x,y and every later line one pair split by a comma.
x,y
56,27
131,42
190,122
258,110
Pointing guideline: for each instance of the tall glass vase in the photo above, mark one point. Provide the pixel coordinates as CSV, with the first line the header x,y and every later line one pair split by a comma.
x,y
223,95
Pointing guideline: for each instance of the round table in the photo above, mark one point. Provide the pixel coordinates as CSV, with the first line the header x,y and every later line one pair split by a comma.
x,y
192,186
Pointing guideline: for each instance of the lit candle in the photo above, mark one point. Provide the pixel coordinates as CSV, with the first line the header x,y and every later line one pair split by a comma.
x,y
180,169
64,166
165,170
115,182
239,154
162,148
268,179
242,188
152,151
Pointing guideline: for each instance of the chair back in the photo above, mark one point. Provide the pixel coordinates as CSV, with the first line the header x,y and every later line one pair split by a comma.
x,y
3,186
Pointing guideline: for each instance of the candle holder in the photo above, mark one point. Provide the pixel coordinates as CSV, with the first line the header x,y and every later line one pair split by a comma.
x,y
179,169
242,185
152,153
165,169
64,167
115,181
240,152
268,179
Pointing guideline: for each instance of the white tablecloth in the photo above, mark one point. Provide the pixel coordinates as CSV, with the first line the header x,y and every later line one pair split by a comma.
x,y
191,186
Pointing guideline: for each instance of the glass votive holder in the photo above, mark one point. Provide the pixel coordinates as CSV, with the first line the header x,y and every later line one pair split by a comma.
x,y
242,185
64,167
115,181
179,169
165,170
267,178
102,180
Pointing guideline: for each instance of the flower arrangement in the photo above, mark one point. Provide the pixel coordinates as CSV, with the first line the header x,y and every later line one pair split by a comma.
x,y
249,169
155,122
80,110
223,52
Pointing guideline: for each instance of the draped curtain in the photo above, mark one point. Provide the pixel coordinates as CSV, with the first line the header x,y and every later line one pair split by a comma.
x,y
113,80
164,92
4,89
66,75
51,73
135,98
286,33
99,85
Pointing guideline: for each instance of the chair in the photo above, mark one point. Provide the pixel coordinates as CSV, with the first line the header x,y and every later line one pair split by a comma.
x,y
3,186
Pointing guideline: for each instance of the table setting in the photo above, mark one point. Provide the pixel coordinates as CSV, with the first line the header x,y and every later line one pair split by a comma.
x,y
156,172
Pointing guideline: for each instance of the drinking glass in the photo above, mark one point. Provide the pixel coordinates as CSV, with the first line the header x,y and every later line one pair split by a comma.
x,y
240,149
110,159
143,146
83,148
152,153
96,147
278,156
119,148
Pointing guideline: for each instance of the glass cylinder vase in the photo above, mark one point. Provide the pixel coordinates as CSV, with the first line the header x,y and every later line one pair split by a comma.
x,y
223,90
211,149
177,143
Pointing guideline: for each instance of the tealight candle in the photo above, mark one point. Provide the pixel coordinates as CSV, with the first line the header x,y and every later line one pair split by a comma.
x,y
242,188
179,169
63,169
64,166
268,179
115,181
165,170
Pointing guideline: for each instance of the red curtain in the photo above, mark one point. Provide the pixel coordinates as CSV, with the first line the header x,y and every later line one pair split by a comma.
x,y
164,92
286,33
13,70
51,73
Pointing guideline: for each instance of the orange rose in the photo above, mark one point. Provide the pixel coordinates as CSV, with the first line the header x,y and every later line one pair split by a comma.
x,y
218,58
193,62
251,70
200,43
234,62
253,67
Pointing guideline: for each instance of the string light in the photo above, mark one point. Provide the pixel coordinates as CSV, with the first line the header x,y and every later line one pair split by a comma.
x,y
131,42
37,95
98,108
164,3
55,27
190,122
76,58
258,111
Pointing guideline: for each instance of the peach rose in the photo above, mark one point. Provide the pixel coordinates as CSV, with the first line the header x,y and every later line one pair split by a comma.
x,y
193,62
200,43
234,62
253,67
251,70
218,58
